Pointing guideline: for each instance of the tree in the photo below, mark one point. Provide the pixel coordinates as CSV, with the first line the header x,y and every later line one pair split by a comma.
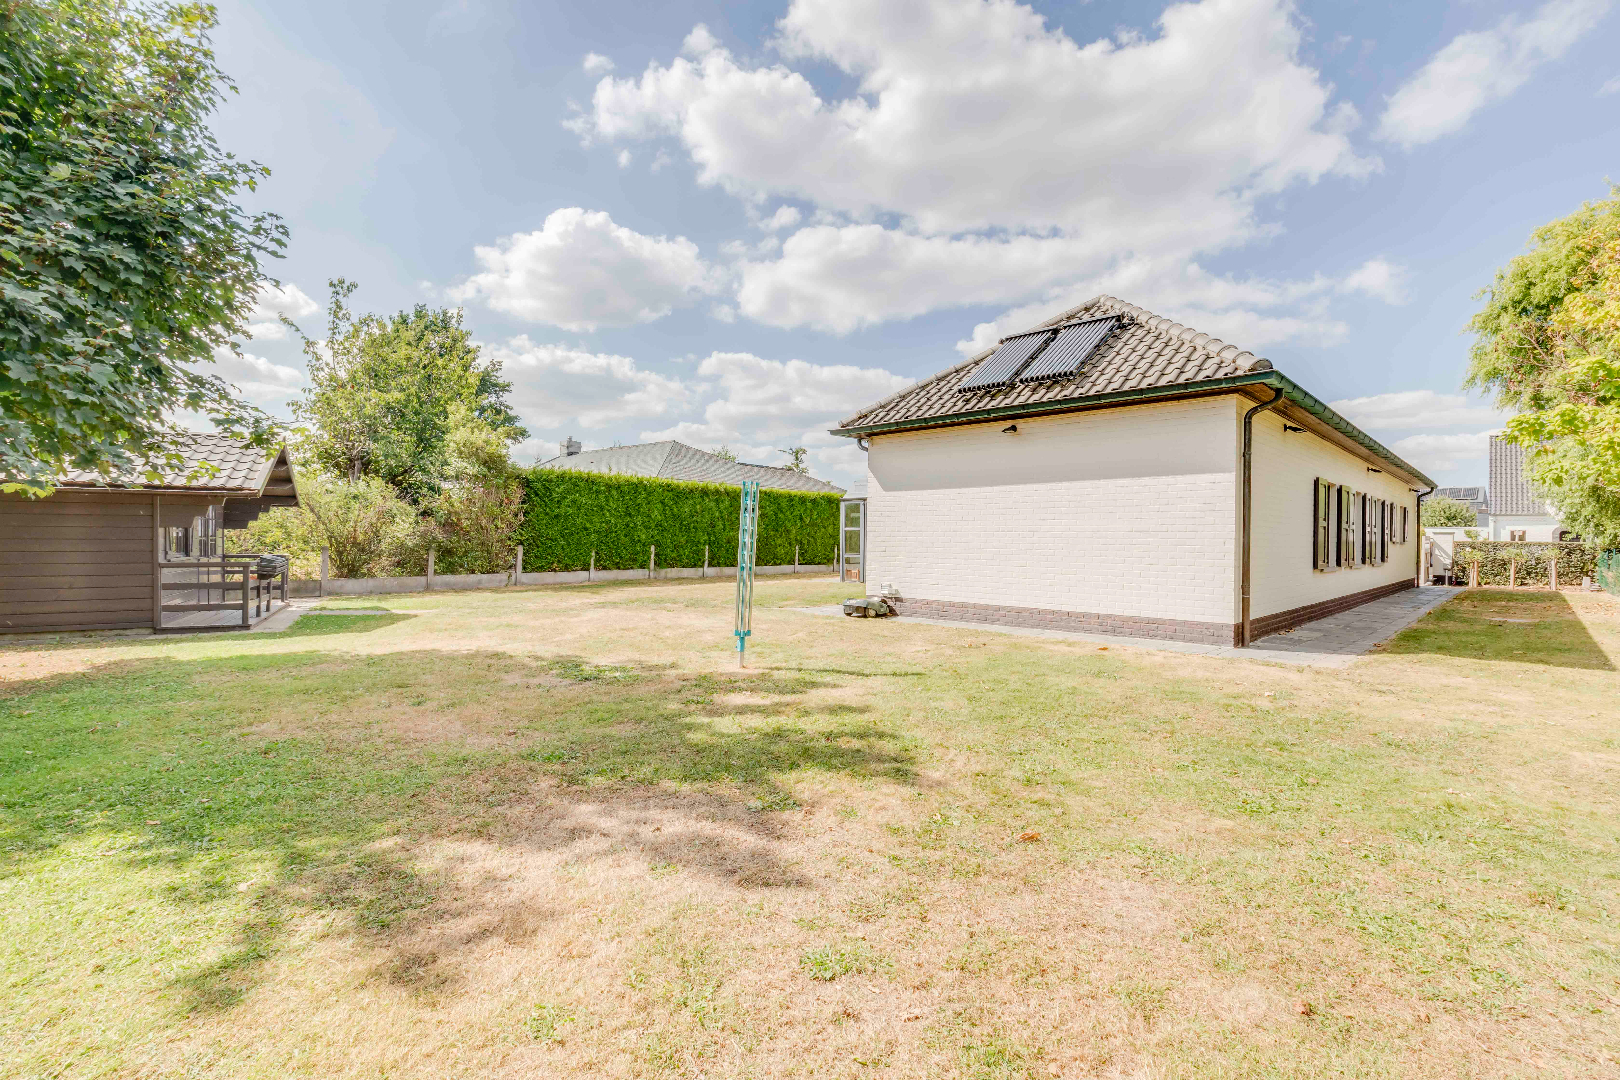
x,y
125,261
796,459
1440,512
474,520
724,453
382,393
1548,343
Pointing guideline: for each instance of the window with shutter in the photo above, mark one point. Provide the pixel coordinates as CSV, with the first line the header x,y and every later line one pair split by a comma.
x,y
1347,531
1368,550
1322,545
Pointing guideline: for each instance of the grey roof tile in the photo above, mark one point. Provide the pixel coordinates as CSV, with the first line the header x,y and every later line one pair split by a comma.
x,y
671,460
1511,492
1147,351
240,469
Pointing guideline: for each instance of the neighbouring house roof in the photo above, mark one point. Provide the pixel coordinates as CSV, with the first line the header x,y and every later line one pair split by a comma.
x,y
1476,497
1146,358
671,460
237,469
1511,492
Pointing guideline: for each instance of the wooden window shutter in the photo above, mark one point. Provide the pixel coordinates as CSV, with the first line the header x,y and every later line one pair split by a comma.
x,y
1322,546
1347,536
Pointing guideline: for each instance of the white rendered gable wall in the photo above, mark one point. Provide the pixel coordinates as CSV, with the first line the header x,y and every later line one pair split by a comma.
x,y
1128,511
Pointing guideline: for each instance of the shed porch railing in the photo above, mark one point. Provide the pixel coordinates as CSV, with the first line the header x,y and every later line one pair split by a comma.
x,y
244,595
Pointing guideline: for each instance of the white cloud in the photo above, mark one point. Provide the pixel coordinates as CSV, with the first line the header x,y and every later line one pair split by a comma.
x,y
555,387
700,42
1252,313
1379,279
596,64
987,158
581,271
1610,87
1443,453
785,217
758,406
1482,67
262,382
272,301
974,114
1416,409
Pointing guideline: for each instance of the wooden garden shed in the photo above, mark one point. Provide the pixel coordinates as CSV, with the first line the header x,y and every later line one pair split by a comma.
x,y
125,554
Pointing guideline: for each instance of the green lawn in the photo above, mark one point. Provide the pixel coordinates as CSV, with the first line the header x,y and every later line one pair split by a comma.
x,y
555,832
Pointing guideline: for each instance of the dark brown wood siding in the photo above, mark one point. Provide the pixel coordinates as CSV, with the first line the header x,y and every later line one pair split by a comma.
x,y
75,561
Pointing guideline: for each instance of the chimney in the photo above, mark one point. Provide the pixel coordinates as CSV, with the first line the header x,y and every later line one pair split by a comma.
x,y
571,446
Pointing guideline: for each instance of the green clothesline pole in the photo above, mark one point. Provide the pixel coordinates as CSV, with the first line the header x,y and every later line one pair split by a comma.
x,y
747,535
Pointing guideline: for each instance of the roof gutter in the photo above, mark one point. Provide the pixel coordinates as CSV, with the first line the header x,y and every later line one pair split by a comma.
x,y
1274,380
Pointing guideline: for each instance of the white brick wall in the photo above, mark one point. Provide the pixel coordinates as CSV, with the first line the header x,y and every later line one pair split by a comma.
x,y
1286,465
1128,511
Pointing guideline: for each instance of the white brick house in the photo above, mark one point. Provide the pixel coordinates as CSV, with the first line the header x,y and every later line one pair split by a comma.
x,y
1089,474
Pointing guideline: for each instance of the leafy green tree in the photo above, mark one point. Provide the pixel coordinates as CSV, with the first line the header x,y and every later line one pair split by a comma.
x,y
796,459
1440,512
125,261
724,453
1548,343
382,393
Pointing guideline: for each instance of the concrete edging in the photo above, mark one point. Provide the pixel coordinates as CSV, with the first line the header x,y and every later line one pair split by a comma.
x,y
450,582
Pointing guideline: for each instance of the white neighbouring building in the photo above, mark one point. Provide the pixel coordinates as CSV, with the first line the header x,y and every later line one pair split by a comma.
x,y
1516,511
1089,474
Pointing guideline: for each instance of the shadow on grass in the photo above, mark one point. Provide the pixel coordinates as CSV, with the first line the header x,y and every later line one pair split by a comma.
x,y
338,772
1529,627
326,623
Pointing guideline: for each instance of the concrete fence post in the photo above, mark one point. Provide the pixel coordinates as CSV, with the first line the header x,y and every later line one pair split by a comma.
x,y
326,560
431,553
590,575
652,559
1552,572
705,561
1473,575
517,567
1513,573
795,559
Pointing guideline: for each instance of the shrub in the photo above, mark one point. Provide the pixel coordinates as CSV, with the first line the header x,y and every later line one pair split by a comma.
x,y
568,515
368,529
473,527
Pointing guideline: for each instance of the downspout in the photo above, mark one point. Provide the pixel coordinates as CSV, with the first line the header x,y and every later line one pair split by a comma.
x,y
1417,571
1248,505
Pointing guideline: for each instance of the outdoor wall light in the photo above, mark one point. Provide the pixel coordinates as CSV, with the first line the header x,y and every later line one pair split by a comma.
x,y
1291,427
1010,429
1371,469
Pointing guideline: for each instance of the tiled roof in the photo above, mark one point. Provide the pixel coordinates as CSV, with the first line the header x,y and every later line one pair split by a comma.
x,y
241,469
671,460
1145,352
1511,492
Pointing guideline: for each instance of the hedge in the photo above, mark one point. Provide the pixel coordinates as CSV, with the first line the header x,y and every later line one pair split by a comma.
x,y
568,515
1575,561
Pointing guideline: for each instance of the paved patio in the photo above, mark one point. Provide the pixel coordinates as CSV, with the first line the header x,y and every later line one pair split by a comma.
x,y
1335,641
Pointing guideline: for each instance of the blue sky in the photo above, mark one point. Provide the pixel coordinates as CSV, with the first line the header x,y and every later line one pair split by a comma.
x,y
736,223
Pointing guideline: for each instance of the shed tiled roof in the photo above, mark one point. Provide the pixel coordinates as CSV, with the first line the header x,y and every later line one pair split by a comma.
x,y
1145,352
671,460
1511,492
237,468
